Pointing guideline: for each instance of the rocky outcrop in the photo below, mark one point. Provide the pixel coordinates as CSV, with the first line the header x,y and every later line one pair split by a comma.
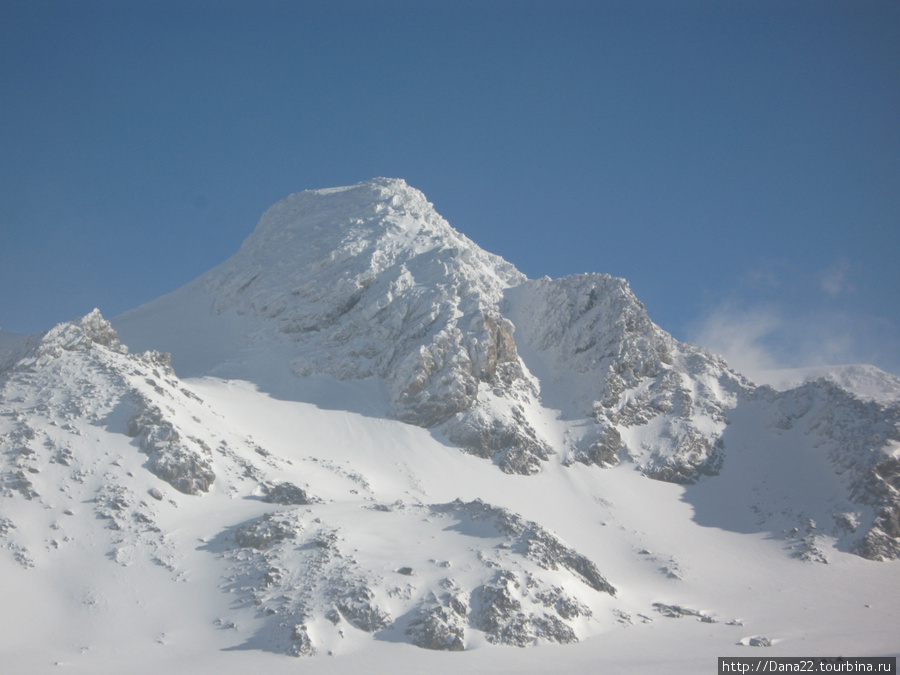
x,y
529,540
303,573
504,619
186,469
287,493
600,357
507,437
440,621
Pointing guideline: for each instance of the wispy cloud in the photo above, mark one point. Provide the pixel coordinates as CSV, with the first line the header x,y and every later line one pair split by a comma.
x,y
739,335
775,318
835,280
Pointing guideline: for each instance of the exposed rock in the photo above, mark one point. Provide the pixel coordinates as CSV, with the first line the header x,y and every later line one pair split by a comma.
x,y
359,607
759,641
512,442
297,571
500,615
301,644
677,612
5,526
590,332
440,622
182,467
882,541
19,481
270,529
604,451
531,540
287,493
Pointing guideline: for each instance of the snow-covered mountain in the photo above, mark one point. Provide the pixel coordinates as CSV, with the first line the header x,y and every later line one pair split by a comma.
x,y
370,282
362,434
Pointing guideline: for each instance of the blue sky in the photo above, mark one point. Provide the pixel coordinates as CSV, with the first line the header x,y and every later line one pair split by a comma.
x,y
738,162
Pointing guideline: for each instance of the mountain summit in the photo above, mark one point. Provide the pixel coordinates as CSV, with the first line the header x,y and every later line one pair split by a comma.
x,y
362,432
369,281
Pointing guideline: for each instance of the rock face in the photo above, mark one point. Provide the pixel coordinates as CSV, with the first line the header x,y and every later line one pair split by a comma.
x,y
657,402
287,493
184,468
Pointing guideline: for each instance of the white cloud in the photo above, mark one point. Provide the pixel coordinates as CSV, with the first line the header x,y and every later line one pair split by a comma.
x,y
764,338
835,280
739,336
777,318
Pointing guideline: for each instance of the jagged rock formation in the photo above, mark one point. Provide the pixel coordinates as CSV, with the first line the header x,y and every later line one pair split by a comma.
x,y
627,375
287,493
184,468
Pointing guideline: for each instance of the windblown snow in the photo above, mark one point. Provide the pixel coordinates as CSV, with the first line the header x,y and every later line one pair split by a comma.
x,y
366,442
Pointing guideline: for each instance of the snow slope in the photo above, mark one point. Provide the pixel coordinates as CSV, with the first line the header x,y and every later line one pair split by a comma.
x,y
379,447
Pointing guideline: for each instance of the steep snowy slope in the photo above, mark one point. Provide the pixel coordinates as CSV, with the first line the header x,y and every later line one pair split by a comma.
x,y
361,282
374,437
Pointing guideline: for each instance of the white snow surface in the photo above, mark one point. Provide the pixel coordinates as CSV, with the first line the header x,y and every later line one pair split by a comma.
x,y
374,437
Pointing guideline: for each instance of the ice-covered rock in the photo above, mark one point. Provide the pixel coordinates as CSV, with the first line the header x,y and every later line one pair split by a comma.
x,y
287,493
440,620
530,540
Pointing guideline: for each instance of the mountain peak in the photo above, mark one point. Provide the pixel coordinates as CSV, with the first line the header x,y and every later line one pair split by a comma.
x,y
371,206
349,236
380,186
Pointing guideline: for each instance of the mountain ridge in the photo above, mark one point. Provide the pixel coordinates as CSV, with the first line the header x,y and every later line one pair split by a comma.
x,y
369,280
364,429
384,264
